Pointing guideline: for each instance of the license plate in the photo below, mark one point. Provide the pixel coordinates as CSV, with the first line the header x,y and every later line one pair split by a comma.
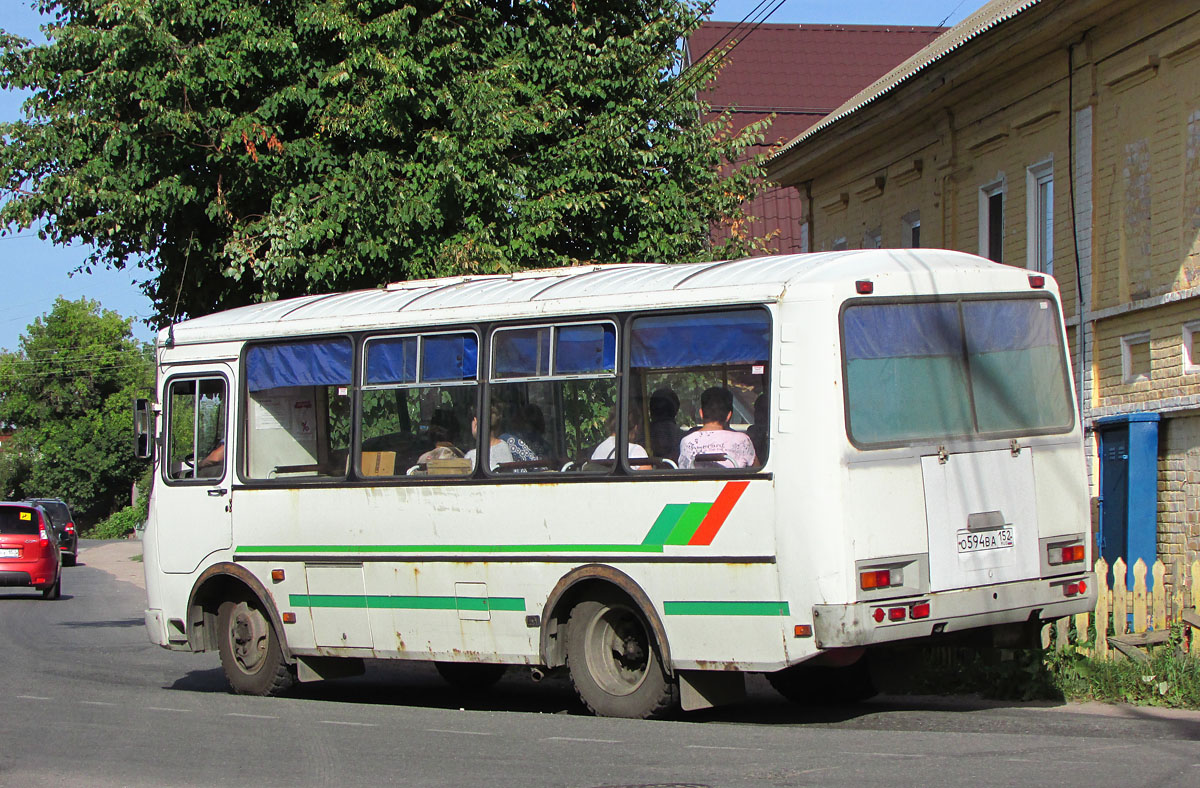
x,y
976,541
10,552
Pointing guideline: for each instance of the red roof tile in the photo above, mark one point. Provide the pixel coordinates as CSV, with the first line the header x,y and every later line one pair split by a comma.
x,y
800,72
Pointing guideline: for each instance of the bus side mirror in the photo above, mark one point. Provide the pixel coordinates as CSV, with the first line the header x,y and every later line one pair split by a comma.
x,y
143,429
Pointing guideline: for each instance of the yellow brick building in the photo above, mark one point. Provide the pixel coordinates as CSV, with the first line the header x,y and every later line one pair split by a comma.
x,y
1062,137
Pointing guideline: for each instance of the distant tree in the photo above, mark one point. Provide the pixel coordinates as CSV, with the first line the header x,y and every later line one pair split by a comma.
x,y
248,150
68,392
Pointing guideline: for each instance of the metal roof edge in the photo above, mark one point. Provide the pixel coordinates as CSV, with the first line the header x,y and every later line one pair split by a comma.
x,y
950,41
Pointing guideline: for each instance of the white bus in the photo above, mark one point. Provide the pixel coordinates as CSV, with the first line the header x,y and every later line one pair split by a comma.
x,y
889,451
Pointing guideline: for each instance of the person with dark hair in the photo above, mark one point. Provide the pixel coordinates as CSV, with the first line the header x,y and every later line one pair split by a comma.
x,y
714,442
607,449
664,432
524,437
498,451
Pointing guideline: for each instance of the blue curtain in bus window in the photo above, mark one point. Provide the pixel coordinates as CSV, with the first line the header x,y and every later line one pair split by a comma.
x,y
323,362
449,357
521,353
392,361
904,372
580,350
1018,375
698,340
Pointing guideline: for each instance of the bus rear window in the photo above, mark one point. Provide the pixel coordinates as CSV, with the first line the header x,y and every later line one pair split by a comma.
x,y
924,371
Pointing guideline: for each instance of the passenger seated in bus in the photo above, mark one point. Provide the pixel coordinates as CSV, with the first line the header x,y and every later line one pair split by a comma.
x,y
714,436
758,430
498,451
443,446
665,434
607,449
524,436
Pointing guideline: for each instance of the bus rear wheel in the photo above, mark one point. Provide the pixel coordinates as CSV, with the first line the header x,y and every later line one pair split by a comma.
x,y
250,652
615,662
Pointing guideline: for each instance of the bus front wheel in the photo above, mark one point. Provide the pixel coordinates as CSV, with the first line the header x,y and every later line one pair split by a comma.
x,y
614,661
250,652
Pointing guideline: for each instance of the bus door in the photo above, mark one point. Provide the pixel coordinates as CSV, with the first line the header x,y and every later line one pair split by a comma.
x,y
193,512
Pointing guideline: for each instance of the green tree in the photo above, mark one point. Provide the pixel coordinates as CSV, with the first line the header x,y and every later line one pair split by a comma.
x,y
251,150
67,393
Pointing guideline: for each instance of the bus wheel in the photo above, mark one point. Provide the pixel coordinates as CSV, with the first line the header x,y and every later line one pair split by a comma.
x,y
470,676
614,661
250,651
823,685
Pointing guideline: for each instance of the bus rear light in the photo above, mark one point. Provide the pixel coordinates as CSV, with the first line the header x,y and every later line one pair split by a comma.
x,y
897,613
803,630
880,578
1037,281
1071,589
879,615
919,610
1082,587
1070,554
864,287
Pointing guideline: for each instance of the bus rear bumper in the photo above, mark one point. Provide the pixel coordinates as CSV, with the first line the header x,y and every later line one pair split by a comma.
x,y
859,624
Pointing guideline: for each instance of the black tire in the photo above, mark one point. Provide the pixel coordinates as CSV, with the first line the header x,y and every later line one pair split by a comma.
x,y
54,591
821,685
615,662
470,676
250,652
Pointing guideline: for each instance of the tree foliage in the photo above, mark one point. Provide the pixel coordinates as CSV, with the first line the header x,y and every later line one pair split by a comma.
x,y
250,150
67,393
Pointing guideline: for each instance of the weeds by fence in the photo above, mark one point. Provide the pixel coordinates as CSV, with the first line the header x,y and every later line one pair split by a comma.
x,y
1127,618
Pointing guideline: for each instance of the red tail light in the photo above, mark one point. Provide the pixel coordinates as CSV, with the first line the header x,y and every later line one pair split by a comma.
x,y
43,537
919,610
1036,281
1071,589
70,528
880,578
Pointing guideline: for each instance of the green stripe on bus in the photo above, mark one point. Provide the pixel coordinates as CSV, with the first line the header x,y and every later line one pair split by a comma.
x,y
726,608
689,521
450,548
378,602
666,521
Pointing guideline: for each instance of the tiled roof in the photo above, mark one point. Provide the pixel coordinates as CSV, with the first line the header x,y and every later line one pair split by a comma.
x,y
800,72
986,18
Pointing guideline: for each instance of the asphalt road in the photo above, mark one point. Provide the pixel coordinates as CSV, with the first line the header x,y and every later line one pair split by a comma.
x,y
89,701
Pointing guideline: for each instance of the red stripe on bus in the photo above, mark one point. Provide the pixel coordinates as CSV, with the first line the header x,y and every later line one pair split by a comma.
x,y
715,518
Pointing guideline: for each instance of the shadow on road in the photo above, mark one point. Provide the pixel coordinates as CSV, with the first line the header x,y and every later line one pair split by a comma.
x,y
124,622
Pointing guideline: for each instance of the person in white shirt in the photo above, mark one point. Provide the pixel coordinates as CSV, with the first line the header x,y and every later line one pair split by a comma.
x,y
714,437
498,450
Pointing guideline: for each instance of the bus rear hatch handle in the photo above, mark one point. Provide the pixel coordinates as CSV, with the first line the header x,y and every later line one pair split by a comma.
x,y
217,492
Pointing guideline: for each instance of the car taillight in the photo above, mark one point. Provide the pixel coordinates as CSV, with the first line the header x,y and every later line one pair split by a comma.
x,y
880,578
70,528
43,537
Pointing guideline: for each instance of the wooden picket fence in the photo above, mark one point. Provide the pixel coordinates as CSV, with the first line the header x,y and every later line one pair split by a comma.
x,y
1128,620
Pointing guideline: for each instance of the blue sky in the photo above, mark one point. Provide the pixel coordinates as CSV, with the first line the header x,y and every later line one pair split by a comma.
x,y
36,272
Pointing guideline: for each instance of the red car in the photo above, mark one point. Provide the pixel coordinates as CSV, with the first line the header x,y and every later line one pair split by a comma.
x,y
29,554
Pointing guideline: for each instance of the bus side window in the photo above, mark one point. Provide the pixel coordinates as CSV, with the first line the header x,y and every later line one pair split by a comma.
x,y
419,394
556,390
703,377
298,409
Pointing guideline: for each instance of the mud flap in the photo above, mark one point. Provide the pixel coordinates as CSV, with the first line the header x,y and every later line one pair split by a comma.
x,y
703,689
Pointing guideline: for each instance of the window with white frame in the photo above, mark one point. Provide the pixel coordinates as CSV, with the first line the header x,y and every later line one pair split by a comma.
x,y
1191,348
912,229
991,221
1135,357
1039,213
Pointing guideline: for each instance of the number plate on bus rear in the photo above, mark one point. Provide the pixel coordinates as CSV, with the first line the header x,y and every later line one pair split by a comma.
x,y
975,541
10,552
